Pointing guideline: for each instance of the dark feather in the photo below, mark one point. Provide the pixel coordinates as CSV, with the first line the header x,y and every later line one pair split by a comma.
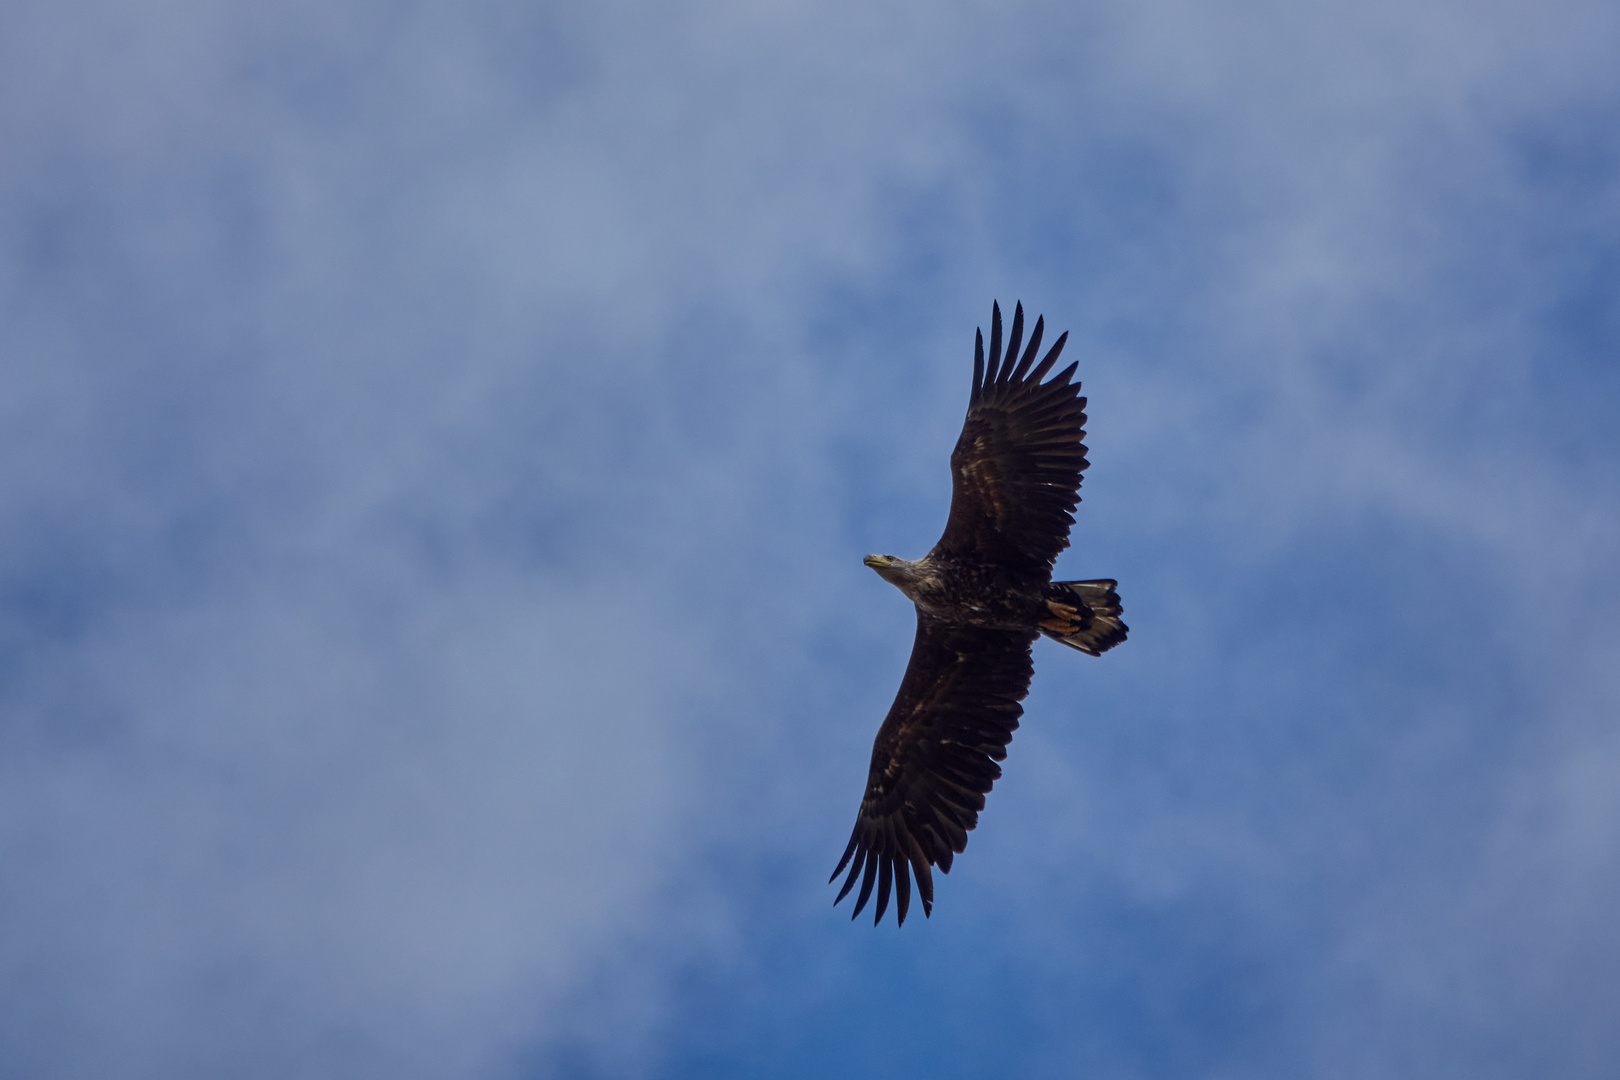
x,y
1051,358
978,362
866,882
995,341
1031,352
885,873
1015,338
853,870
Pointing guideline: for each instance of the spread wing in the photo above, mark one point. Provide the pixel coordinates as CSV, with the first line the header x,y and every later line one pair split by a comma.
x,y
935,757
1015,472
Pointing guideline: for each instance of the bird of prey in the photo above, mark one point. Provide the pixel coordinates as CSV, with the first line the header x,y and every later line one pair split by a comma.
x,y
983,595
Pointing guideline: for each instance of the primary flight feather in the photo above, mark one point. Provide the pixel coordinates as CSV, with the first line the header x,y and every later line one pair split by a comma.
x,y
983,595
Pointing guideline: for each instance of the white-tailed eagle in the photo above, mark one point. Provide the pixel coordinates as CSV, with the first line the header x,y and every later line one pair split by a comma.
x,y
983,595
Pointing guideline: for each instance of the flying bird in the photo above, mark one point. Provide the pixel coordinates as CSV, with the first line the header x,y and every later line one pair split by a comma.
x,y
983,595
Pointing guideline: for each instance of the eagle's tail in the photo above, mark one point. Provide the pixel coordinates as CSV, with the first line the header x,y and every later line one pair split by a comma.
x,y
1084,615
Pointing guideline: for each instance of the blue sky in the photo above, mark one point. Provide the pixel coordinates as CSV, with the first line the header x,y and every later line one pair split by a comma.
x,y
437,446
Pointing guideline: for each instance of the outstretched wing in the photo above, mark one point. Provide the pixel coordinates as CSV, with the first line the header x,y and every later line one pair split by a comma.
x,y
1015,472
935,757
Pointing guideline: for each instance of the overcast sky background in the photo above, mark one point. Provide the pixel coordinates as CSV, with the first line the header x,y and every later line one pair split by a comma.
x,y
437,446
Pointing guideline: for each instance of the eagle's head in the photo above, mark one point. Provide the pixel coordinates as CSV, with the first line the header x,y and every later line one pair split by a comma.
x,y
900,573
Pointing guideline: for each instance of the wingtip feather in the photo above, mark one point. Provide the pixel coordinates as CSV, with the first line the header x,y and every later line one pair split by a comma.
x,y
978,363
854,838
885,883
902,889
1015,338
1051,357
1032,350
993,366
849,882
919,868
866,883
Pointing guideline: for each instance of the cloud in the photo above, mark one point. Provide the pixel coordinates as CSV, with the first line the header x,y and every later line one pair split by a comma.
x,y
437,447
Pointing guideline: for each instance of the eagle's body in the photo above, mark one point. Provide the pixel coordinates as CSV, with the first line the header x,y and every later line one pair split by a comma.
x,y
966,592
983,595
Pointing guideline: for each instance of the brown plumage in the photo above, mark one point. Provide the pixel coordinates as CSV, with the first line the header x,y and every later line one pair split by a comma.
x,y
983,595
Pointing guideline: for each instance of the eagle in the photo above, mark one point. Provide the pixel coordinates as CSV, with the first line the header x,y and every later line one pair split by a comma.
x,y
983,595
